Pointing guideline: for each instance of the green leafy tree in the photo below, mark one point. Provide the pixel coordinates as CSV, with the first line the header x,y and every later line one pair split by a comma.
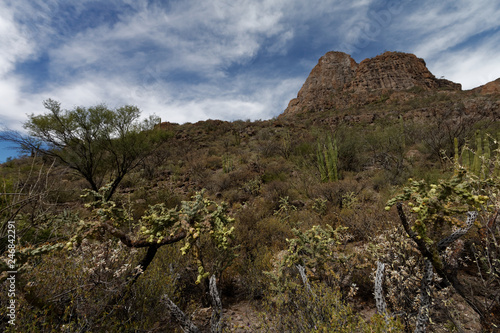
x,y
102,145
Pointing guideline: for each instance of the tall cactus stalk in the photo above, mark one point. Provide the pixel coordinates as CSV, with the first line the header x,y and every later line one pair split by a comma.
x,y
481,161
227,163
332,159
476,167
328,160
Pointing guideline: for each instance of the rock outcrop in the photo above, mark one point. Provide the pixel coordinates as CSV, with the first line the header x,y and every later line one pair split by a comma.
x,y
329,77
490,88
338,81
396,71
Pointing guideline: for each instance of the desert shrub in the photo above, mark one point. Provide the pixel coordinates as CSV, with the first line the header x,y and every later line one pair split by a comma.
x,y
305,219
197,167
321,251
305,148
363,221
79,288
274,191
335,192
319,206
218,181
273,175
387,146
214,162
270,148
241,175
141,309
314,309
351,149
260,235
258,245
448,123
252,186
317,254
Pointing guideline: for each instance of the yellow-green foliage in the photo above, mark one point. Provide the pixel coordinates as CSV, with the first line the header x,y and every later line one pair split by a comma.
x,y
320,251
271,174
198,218
431,205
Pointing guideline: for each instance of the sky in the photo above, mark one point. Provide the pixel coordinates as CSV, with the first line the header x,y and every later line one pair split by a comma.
x,y
192,60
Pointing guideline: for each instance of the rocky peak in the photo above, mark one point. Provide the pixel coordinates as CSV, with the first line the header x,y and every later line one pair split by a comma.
x,y
333,71
396,71
337,80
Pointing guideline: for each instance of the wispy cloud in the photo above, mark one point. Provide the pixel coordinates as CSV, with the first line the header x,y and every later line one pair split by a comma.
x,y
441,26
15,46
471,66
458,40
191,60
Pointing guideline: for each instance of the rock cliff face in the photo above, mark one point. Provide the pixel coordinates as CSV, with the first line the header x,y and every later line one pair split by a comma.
x,y
338,81
329,77
396,71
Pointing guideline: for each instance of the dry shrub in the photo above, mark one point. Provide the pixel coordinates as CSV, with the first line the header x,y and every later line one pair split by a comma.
x,y
402,281
213,163
334,192
260,235
73,292
218,181
305,219
364,221
274,191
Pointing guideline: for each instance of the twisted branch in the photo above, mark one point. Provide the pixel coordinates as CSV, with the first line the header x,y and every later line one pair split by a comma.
x,y
448,277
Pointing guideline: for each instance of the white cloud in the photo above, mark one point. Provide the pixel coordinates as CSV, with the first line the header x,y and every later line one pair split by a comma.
x,y
111,63
205,37
471,66
456,39
436,27
15,46
177,62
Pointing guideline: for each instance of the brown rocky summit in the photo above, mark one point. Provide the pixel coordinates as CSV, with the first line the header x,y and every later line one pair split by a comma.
x,y
338,81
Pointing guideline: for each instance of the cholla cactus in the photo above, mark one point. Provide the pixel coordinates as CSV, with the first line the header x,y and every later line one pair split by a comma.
x,y
434,210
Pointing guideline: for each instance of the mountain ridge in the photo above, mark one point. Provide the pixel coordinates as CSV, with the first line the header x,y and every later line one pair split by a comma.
x,y
339,82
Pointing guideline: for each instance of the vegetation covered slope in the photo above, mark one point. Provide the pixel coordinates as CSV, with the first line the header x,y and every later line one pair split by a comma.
x,y
287,213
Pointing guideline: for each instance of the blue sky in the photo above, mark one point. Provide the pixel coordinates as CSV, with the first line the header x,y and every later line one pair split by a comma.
x,y
188,60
